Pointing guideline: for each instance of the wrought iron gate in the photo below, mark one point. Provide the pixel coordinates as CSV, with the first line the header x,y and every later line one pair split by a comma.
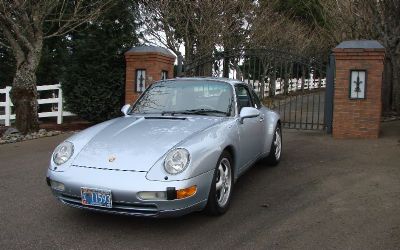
x,y
290,84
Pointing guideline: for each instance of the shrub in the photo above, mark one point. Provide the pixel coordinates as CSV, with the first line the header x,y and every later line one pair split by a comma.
x,y
94,79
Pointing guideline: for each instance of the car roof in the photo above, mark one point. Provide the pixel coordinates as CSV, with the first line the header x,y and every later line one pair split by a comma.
x,y
217,79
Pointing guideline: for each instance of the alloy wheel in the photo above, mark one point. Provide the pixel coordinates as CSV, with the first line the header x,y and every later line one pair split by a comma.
x,y
223,182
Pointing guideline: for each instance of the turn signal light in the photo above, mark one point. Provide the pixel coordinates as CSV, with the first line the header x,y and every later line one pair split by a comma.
x,y
186,192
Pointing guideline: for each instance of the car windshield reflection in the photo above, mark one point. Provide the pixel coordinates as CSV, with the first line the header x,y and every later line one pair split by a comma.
x,y
208,98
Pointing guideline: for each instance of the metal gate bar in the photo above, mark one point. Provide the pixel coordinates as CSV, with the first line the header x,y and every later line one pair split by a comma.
x,y
286,82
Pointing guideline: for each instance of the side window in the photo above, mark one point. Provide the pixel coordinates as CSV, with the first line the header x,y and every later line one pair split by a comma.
x,y
164,75
243,97
256,100
140,80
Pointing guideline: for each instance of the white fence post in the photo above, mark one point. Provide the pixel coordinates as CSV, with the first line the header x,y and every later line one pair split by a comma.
x,y
8,106
60,106
59,101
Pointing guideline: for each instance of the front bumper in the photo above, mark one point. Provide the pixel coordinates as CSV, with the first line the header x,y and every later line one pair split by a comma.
x,y
124,186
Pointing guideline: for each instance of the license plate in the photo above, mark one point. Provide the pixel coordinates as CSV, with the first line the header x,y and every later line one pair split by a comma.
x,y
96,197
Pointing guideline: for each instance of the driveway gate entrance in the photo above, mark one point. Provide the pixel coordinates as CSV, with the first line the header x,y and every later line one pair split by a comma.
x,y
290,84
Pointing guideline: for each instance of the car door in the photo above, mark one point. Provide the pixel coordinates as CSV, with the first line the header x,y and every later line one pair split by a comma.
x,y
250,131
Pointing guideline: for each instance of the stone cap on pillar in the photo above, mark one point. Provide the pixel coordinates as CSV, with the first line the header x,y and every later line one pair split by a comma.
x,y
150,49
360,44
360,48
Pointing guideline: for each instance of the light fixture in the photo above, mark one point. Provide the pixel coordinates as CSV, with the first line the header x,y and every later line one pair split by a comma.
x,y
358,84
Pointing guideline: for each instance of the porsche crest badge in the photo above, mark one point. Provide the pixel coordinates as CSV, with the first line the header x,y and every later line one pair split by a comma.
x,y
111,158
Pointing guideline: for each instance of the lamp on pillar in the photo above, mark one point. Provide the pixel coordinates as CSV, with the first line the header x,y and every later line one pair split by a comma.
x,y
358,83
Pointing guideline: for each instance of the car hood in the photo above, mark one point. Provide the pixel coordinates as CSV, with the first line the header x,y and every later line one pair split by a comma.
x,y
136,143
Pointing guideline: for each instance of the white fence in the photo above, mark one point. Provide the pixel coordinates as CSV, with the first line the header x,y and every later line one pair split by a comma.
x,y
293,85
56,100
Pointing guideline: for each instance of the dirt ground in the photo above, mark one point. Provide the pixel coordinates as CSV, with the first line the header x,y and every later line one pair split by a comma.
x,y
325,194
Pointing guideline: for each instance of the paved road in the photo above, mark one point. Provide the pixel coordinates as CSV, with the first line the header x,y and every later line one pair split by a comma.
x,y
331,194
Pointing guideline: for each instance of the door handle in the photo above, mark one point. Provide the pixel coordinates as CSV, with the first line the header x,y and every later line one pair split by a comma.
x,y
261,119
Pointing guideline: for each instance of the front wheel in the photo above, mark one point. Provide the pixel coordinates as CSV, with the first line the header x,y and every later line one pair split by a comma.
x,y
221,186
275,152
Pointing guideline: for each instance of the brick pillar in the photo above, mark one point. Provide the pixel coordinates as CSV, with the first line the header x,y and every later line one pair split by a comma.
x,y
357,111
151,59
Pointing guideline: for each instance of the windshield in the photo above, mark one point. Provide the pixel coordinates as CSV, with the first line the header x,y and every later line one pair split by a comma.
x,y
187,97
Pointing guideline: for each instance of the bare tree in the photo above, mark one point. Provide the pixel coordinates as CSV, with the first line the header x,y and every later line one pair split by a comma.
x,y
199,26
25,25
386,20
369,19
285,39
276,31
345,20
162,23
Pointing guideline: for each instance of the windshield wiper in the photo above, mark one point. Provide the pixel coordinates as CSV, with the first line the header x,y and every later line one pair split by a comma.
x,y
207,111
195,112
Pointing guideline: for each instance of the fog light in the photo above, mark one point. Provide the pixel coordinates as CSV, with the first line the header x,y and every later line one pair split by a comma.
x,y
152,195
186,192
57,185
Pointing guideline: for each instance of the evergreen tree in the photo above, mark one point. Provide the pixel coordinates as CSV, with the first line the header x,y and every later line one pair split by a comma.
x,y
51,66
7,65
307,11
52,63
95,74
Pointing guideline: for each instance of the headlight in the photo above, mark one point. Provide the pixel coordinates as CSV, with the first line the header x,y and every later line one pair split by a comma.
x,y
63,152
176,161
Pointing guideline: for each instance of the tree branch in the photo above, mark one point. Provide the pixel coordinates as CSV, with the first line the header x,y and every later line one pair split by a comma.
x,y
80,14
16,29
16,48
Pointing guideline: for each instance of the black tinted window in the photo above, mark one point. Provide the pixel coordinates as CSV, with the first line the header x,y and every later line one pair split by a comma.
x,y
243,97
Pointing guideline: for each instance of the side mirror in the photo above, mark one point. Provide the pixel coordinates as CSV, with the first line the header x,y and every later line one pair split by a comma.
x,y
125,109
248,112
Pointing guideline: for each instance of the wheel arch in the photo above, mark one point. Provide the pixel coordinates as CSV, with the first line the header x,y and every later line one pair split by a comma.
x,y
231,150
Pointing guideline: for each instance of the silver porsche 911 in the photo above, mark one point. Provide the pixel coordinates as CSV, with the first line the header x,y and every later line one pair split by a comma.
x,y
179,148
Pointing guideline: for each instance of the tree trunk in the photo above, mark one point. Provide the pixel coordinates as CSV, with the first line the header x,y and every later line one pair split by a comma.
x,y
387,86
393,50
226,68
24,98
207,69
396,84
272,87
180,64
239,74
286,81
262,87
188,60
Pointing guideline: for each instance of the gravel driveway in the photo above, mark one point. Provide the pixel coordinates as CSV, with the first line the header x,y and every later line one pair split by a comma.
x,y
326,193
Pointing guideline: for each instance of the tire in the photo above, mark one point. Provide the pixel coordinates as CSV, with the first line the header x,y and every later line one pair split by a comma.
x,y
221,189
275,153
